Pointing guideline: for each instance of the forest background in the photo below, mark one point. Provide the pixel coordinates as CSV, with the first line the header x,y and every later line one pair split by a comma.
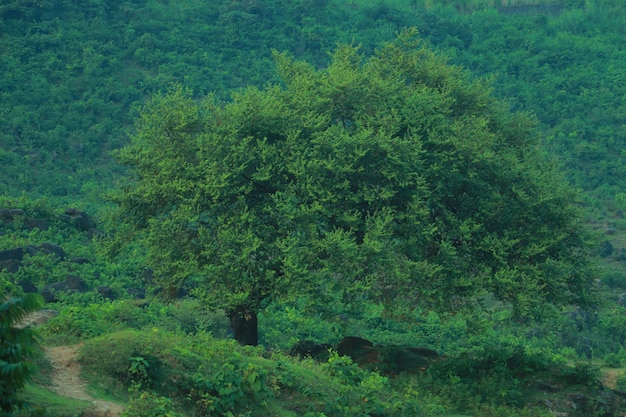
x,y
75,72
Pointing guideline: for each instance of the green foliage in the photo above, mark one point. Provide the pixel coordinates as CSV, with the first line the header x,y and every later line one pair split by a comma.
x,y
492,374
210,377
74,75
612,360
392,179
44,403
17,347
620,383
230,388
583,374
147,404
97,318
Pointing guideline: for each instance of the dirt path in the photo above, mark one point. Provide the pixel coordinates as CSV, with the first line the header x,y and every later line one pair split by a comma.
x,y
66,380
609,377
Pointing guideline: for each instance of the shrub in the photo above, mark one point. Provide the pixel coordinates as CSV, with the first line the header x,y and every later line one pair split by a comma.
x,y
17,346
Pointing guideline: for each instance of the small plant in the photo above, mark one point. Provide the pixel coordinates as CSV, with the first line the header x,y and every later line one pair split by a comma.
x,y
148,404
230,388
138,367
582,374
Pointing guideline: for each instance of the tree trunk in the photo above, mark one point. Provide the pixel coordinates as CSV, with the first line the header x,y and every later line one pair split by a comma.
x,y
244,325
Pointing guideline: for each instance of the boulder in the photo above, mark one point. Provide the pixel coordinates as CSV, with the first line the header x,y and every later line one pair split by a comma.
x,y
16,254
81,260
390,359
71,284
361,351
311,349
11,259
352,345
106,292
52,249
79,219
40,224
11,266
27,286
32,250
8,215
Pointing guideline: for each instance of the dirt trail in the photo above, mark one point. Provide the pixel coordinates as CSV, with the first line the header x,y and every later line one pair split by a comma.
x,y
66,380
609,377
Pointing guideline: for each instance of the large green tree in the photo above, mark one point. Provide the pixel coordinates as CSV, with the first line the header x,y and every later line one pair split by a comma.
x,y
394,178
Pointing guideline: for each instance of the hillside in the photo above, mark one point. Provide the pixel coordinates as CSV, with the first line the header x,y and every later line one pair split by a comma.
x,y
75,78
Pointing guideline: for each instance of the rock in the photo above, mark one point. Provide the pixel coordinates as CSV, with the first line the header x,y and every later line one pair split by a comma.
x,y
79,219
351,345
621,300
602,403
361,351
11,266
8,215
27,286
106,292
71,284
40,224
76,283
11,260
32,250
16,254
391,359
81,260
52,249
137,293
310,349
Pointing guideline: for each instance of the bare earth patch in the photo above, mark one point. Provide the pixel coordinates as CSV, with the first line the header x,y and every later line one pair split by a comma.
x,y
66,380
609,377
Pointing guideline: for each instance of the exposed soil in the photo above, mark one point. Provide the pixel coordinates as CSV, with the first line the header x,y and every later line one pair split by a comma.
x,y
609,377
66,379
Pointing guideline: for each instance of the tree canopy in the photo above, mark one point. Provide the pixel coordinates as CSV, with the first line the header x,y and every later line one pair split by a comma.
x,y
393,178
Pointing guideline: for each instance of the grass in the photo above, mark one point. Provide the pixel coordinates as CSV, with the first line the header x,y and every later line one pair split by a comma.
x,y
52,404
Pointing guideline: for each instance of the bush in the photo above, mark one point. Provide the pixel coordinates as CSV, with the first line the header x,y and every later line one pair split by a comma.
x,y
147,404
210,376
17,346
612,360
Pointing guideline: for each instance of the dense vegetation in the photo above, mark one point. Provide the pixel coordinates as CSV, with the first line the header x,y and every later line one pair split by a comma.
x,y
76,78
17,347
